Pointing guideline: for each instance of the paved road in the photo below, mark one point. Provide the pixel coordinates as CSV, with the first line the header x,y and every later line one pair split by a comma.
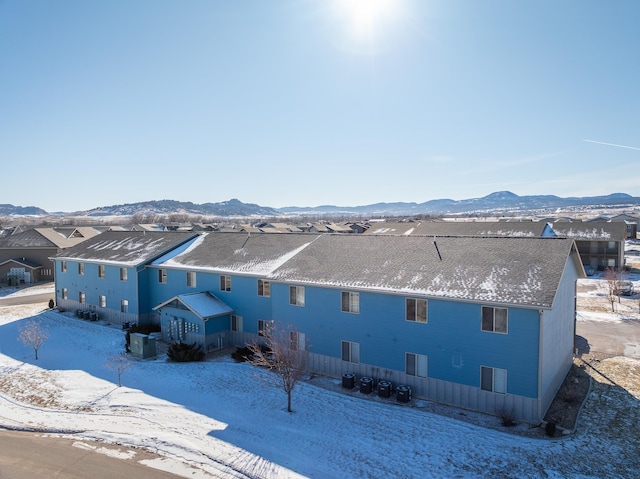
x,y
26,455
27,299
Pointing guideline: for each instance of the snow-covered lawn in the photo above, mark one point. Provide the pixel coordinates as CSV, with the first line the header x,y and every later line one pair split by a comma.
x,y
218,419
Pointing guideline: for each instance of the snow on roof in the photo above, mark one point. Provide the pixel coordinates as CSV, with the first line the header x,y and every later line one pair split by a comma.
x,y
204,304
242,253
126,248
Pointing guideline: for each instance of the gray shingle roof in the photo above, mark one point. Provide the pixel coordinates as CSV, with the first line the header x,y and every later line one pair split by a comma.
x,y
521,270
126,247
458,228
242,253
524,271
593,230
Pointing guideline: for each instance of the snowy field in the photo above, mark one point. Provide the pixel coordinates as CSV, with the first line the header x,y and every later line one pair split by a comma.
x,y
218,418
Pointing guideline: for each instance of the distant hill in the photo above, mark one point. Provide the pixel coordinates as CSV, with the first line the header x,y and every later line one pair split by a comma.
x,y
232,207
500,202
10,210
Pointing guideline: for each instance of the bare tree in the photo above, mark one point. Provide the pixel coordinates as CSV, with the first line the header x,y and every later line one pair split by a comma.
x,y
613,278
284,351
118,363
33,334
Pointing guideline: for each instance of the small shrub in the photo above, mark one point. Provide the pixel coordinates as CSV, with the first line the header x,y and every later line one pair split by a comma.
x,y
185,352
550,428
51,304
245,353
507,417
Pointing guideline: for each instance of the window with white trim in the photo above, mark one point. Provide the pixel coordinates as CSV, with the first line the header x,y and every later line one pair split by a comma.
x,y
236,323
350,351
80,268
264,328
64,293
102,301
63,266
493,379
264,288
82,298
124,274
124,306
225,283
494,319
297,341
162,276
296,295
350,302
416,365
191,279
101,271
416,310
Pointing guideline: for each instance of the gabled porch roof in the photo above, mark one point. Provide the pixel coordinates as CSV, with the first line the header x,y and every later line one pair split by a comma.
x,y
204,304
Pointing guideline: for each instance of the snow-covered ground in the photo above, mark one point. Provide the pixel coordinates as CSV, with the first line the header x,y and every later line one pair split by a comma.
x,y
218,418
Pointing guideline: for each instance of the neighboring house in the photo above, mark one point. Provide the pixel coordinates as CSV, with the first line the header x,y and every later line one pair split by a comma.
x,y
461,228
600,243
631,223
107,274
26,253
485,323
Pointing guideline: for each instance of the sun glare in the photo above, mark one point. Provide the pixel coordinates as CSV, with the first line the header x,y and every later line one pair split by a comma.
x,y
366,15
364,20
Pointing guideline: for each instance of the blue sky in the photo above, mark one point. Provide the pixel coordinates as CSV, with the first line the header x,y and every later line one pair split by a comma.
x,y
312,102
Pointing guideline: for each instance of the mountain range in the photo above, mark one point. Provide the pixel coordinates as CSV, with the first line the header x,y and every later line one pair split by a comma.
x,y
498,202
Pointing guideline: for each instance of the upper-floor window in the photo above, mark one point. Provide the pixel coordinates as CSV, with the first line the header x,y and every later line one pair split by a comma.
x,y
296,295
264,288
80,268
124,274
493,379
225,283
124,306
416,365
191,279
162,276
416,310
494,319
103,301
81,297
63,266
101,271
350,351
350,302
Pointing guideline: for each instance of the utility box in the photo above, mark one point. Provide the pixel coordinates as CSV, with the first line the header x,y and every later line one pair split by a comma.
x,y
142,346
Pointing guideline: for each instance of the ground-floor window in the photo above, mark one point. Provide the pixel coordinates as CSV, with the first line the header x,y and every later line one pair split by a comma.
x,y
493,379
264,328
350,352
416,365
236,323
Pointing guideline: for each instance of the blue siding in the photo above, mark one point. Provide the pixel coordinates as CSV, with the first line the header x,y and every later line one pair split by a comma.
x,y
452,339
243,297
93,286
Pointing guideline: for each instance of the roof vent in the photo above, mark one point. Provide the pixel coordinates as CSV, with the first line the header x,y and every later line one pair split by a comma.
x,y
437,250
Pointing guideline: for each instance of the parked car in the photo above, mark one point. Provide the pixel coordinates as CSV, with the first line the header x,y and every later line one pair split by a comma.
x,y
589,270
625,288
